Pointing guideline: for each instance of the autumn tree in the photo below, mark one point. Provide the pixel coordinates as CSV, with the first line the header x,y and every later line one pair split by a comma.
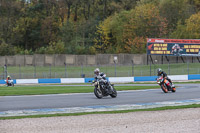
x,y
190,30
175,11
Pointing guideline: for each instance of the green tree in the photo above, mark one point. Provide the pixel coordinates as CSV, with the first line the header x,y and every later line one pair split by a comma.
x,y
6,49
124,32
174,11
190,30
143,22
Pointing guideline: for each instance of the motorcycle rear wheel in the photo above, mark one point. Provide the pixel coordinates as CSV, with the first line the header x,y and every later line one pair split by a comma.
x,y
114,93
173,89
98,93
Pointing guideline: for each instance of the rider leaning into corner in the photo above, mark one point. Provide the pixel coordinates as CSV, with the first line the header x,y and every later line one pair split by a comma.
x,y
164,75
7,79
98,73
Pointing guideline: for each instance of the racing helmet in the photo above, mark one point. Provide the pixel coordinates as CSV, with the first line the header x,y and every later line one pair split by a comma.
x,y
97,71
159,70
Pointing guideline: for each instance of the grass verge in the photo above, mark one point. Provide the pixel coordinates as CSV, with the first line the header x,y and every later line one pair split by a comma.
x,y
42,90
105,112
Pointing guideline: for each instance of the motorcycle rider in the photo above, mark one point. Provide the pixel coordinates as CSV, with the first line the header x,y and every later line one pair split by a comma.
x,y
8,79
97,73
164,75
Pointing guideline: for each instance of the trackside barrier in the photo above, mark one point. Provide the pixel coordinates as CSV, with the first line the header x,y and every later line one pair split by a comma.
x,y
111,79
3,81
193,77
72,80
146,78
49,81
89,80
178,77
121,79
26,81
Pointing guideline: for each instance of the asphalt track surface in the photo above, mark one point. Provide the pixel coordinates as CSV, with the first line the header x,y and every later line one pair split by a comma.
x,y
14,103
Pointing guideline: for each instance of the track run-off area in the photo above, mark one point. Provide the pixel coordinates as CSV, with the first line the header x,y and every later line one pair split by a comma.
x,y
87,102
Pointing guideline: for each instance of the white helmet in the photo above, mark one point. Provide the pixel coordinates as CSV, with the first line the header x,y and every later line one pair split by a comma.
x,y
97,71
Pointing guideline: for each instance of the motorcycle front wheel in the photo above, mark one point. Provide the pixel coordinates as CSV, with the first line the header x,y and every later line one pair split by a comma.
x,y
98,93
164,89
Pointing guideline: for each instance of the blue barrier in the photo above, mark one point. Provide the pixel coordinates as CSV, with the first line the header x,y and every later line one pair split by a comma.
x,y
49,81
192,77
146,78
14,81
88,80
3,81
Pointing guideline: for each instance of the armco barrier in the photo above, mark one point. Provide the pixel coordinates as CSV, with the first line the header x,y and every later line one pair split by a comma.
x,y
111,79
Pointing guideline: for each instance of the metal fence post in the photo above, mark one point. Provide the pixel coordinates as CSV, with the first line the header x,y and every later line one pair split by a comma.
x,y
5,71
132,67
20,71
50,70
81,68
155,61
34,71
115,68
115,59
65,70
169,67
187,66
150,67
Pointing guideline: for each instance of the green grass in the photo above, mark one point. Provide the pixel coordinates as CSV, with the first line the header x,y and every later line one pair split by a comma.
x,y
41,90
105,112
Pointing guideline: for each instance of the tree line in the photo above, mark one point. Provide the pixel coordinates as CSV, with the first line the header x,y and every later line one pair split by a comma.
x,y
93,26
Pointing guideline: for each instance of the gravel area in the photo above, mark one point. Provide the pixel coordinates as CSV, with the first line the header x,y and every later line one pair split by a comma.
x,y
168,121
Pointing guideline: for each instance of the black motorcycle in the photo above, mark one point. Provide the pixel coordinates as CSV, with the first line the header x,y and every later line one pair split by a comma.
x,y
103,89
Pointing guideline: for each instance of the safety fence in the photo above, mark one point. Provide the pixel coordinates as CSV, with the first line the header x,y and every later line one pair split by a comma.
x,y
84,71
111,79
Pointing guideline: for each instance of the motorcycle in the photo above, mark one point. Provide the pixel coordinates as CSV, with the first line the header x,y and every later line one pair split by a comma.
x,y
103,89
165,85
9,83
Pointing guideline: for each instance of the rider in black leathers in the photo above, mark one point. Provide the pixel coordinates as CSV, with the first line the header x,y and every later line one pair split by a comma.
x,y
97,73
164,75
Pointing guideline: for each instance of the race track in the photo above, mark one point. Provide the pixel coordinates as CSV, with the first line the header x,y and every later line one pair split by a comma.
x,y
14,103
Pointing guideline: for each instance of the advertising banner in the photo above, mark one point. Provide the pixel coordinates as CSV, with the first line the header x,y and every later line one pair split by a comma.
x,y
173,47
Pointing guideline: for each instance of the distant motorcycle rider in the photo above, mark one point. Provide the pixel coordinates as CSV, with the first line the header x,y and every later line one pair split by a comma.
x,y
98,73
164,75
7,79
